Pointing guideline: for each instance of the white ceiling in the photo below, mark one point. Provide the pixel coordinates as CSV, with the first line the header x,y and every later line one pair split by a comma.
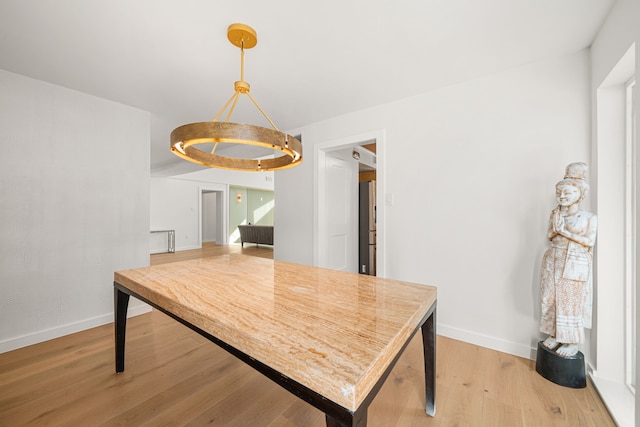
x,y
313,61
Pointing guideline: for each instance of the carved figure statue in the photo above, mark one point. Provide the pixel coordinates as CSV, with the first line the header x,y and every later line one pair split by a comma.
x,y
566,279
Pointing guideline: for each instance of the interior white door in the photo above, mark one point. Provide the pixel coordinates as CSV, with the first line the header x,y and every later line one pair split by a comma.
x,y
341,214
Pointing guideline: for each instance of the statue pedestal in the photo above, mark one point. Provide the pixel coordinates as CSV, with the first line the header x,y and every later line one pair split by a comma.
x,y
565,371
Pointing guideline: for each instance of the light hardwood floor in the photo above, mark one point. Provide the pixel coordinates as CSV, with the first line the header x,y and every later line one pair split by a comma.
x,y
174,377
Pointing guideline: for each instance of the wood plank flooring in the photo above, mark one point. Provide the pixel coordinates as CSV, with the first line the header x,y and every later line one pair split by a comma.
x,y
174,377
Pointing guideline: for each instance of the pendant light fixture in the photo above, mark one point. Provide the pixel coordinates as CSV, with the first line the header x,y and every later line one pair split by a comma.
x,y
197,142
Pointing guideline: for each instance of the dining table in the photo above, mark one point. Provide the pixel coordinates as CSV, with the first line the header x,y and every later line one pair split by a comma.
x,y
329,337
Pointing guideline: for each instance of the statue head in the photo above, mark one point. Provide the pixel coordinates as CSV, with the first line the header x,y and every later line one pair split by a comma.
x,y
575,175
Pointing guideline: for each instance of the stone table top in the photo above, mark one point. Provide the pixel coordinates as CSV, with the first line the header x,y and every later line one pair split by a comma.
x,y
333,332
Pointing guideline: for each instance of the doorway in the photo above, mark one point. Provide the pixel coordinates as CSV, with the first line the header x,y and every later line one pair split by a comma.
x,y
329,251
213,221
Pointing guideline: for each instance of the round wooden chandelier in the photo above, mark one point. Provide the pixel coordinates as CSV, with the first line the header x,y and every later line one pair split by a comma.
x,y
193,142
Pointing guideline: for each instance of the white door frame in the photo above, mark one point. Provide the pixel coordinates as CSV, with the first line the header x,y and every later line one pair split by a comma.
x,y
222,212
319,193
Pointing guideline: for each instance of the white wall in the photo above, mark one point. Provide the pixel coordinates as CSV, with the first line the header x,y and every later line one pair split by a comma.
x,y
74,195
174,206
618,34
471,170
175,201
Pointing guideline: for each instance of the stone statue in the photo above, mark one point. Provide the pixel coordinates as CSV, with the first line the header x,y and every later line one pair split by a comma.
x,y
566,277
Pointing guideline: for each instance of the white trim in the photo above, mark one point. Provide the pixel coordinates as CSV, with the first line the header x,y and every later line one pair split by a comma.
x,y
15,343
617,398
487,341
631,212
222,204
187,248
610,354
318,191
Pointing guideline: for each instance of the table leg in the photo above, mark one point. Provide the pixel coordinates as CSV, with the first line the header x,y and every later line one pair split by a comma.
x,y
429,349
357,421
121,303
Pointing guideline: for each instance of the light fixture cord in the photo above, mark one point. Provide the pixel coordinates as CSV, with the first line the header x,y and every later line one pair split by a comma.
x,y
242,61
236,96
262,111
235,101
